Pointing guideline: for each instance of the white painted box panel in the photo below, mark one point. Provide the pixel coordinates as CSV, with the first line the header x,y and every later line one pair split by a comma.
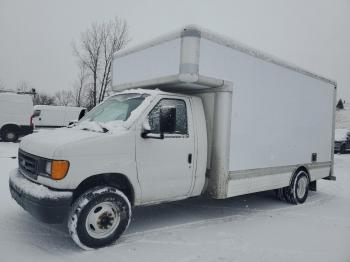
x,y
151,63
281,113
279,116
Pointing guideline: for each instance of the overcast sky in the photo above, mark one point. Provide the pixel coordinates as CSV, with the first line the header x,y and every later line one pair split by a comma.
x,y
36,35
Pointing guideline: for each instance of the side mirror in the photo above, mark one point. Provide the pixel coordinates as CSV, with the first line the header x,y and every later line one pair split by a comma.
x,y
72,123
167,119
82,114
146,131
145,126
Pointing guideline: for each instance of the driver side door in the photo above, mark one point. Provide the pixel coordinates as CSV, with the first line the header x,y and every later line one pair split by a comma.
x,y
165,166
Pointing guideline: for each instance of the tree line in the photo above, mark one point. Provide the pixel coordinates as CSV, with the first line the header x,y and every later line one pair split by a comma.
x,y
94,53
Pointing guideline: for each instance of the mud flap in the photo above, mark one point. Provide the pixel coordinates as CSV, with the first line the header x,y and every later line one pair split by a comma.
x,y
313,186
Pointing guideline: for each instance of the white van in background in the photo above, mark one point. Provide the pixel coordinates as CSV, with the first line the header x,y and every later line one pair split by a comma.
x,y
15,116
56,116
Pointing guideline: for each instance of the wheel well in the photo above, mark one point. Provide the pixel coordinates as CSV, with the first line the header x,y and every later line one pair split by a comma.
x,y
301,168
10,126
118,181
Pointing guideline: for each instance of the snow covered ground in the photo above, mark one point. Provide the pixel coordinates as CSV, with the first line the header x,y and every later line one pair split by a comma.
x,y
254,227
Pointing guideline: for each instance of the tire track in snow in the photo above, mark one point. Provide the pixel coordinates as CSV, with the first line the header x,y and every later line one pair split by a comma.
x,y
247,213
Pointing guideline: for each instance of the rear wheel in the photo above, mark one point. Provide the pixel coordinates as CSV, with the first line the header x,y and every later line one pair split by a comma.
x,y
9,134
99,217
298,190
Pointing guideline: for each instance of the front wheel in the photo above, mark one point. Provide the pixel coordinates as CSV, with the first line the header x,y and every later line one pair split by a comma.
x,y
99,217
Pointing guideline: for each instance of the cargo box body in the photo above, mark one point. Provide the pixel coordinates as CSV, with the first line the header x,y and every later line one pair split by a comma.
x,y
265,117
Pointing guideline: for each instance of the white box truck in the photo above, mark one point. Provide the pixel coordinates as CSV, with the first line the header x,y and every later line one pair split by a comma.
x,y
194,113
15,116
46,116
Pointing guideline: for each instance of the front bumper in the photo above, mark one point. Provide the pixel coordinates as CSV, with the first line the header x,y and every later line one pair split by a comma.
x,y
45,204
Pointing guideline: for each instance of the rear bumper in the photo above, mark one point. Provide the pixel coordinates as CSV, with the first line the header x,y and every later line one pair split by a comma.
x,y
25,130
337,146
47,205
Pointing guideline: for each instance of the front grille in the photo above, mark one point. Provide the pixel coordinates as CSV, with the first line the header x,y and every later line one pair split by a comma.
x,y
28,164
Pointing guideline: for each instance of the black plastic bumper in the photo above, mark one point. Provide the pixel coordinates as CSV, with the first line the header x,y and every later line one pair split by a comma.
x,y
47,205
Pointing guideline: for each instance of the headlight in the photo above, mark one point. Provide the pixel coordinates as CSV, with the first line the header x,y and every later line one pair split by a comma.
x,y
59,169
48,167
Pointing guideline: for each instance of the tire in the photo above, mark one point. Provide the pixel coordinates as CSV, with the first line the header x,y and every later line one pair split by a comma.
x,y
99,217
298,190
9,134
279,194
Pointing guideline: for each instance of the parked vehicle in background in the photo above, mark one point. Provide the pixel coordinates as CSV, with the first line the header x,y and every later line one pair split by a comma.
x,y
56,116
342,141
209,117
15,116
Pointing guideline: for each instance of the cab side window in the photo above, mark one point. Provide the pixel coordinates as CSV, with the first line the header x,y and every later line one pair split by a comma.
x,y
181,116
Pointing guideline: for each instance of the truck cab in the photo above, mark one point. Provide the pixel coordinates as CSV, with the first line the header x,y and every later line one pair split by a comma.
x,y
149,145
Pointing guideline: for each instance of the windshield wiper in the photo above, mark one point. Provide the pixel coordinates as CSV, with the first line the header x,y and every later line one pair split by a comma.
x,y
91,126
105,130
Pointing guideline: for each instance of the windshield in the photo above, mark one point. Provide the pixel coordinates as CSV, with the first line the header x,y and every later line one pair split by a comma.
x,y
112,112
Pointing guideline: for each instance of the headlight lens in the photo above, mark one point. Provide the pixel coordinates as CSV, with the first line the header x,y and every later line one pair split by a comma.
x,y
48,167
59,169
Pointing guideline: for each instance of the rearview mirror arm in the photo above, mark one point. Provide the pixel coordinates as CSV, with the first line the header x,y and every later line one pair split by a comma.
x,y
147,134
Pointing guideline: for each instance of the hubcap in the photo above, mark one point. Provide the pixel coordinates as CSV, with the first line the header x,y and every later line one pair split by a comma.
x,y
10,136
102,220
301,187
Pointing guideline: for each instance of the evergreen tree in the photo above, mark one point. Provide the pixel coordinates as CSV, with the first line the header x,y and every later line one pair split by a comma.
x,y
340,104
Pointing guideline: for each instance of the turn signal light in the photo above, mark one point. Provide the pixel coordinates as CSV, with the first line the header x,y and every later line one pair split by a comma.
x,y
59,169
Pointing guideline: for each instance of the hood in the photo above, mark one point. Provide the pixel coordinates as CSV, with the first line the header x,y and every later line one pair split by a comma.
x,y
45,142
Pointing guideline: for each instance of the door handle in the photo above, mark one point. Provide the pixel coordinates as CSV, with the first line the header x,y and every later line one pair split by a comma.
x,y
189,158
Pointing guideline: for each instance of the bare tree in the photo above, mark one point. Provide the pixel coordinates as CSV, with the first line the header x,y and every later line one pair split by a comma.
x,y
115,37
23,86
64,98
95,52
44,99
39,98
89,96
80,85
89,52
